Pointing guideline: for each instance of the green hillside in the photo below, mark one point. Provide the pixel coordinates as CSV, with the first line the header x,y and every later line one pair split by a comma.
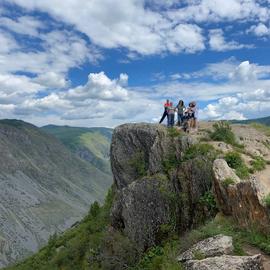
x,y
45,188
263,121
90,144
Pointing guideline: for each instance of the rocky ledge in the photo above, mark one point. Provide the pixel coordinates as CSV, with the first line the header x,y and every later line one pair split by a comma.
x,y
157,190
214,254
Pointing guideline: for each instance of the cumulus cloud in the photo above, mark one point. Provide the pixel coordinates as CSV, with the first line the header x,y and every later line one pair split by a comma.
x,y
99,86
217,42
259,30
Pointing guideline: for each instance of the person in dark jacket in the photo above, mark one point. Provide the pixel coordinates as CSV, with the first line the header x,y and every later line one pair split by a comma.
x,y
165,114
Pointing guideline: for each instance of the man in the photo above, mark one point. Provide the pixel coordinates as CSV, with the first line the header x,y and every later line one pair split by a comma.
x,y
165,114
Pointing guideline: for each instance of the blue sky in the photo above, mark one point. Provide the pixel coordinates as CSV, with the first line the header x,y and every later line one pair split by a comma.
x,y
106,62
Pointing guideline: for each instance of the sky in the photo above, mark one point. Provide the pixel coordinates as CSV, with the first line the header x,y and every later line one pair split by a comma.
x,y
108,62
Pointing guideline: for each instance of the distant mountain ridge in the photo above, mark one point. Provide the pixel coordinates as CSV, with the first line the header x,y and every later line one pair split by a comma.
x,y
90,144
263,120
44,188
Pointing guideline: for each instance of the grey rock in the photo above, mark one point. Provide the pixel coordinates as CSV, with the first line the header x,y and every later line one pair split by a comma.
x,y
210,247
158,197
241,199
226,262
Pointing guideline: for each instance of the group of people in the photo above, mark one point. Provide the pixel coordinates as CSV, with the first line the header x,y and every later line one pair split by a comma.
x,y
186,116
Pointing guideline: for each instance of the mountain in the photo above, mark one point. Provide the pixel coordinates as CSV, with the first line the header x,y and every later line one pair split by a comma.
x,y
90,144
171,190
44,189
264,121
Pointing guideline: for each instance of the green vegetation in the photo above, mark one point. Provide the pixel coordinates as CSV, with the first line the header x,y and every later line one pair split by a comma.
x,y
266,200
223,132
174,132
200,149
258,163
72,249
262,128
198,255
228,181
138,162
94,143
208,200
235,161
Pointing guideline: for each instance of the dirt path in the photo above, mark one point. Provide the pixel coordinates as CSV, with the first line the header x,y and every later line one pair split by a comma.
x,y
251,250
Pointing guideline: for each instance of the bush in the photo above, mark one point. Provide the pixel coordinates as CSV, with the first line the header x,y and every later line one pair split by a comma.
x,y
267,200
223,132
228,181
138,162
235,161
258,163
200,149
209,201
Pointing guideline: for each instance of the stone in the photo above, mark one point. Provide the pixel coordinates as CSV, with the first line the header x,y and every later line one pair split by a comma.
x,y
241,199
226,262
149,195
210,247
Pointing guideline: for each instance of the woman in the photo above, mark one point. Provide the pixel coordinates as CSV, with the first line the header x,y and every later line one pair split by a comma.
x,y
180,112
171,110
165,113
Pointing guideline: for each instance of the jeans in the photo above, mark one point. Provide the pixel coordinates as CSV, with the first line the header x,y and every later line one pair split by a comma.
x,y
163,116
180,119
170,120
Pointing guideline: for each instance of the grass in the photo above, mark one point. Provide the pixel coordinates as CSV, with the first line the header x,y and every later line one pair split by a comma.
x,y
258,163
235,161
163,257
72,249
266,200
228,181
200,149
262,128
174,132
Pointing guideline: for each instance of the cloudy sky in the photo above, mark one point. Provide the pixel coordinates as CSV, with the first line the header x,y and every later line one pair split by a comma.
x,y
106,62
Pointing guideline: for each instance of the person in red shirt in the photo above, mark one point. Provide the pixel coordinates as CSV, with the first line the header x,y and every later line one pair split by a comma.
x,y
165,114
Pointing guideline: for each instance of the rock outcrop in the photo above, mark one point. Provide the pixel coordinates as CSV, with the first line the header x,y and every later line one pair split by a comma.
x,y
227,262
214,253
210,247
242,199
157,191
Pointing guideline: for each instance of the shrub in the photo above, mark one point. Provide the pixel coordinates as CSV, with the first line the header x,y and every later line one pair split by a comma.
x,y
267,200
174,132
228,181
223,132
138,162
209,201
235,161
258,163
200,149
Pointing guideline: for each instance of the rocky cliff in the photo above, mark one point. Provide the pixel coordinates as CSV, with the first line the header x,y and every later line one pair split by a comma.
x,y
159,187
44,188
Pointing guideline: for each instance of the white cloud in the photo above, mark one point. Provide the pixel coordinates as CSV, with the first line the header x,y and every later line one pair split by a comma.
x,y
217,42
259,30
52,80
99,86
25,25
185,37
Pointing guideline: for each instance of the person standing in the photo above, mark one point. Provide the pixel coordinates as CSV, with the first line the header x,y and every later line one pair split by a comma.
x,y
165,113
171,111
180,112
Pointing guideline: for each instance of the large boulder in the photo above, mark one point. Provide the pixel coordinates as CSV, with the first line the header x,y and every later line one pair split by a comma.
x,y
156,191
210,247
226,262
242,199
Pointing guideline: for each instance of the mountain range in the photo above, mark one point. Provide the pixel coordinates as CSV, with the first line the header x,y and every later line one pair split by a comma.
x,y
45,187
